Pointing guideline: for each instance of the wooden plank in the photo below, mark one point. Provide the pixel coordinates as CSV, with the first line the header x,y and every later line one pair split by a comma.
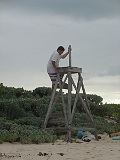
x,y
69,51
76,97
80,121
56,115
69,105
50,105
64,107
69,69
75,70
86,109
59,129
85,96
83,129
53,121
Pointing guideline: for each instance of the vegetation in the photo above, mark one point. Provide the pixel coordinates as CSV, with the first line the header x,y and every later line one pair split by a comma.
x,y
12,132
22,114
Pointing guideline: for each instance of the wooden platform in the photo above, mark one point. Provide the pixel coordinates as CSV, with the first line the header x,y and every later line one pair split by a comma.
x,y
72,70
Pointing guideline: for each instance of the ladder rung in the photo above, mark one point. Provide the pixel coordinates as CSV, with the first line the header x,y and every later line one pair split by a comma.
x,y
53,121
58,129
83,129
56,115
65,129
80,121
64,87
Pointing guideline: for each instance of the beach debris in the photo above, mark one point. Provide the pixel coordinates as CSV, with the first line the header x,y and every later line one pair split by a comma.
x,y
80,134
86,139
86,136
99,137
48,155
61,154
88,152
114,134
43,154
116,138
40,154
3,155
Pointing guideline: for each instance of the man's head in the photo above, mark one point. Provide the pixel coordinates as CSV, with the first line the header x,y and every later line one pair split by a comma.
x,y
60,49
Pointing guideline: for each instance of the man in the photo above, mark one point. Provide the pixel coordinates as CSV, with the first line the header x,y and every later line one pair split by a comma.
x,y
53,64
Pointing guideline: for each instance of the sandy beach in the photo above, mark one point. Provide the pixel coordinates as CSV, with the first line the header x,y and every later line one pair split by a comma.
x,y
104,149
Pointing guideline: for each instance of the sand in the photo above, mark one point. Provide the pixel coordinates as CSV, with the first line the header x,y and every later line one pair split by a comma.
x,y
104,149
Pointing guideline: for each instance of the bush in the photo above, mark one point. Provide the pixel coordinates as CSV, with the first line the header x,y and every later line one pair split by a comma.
x,y
24,107
12,132
42,91
109,110
26,134
30,134
3,135
13,111
102,125
22,114
11,92
33,121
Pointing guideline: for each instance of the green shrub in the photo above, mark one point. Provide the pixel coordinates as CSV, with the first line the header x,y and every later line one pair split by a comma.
x,y
31,134
33,121
3,135
109,110
13,111
42,91
24,107
102,125
22,114
11,92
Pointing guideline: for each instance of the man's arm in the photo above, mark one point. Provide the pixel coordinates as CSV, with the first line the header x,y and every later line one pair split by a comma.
x,y
54,64
65,55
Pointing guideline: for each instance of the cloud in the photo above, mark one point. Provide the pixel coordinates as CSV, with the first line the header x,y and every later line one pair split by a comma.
x,y
26,37
77,9
108,87
111,71
30,30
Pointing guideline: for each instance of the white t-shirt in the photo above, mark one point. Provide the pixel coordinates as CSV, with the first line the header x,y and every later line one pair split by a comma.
x,y
54,57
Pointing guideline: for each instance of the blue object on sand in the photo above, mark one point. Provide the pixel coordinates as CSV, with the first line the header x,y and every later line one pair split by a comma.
x,y
116,138
80,134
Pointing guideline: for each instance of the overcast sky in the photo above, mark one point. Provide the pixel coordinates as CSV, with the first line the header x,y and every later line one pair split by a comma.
x,y
30,30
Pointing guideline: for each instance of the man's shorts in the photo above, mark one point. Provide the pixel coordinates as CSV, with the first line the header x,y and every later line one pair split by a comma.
x,y
53,77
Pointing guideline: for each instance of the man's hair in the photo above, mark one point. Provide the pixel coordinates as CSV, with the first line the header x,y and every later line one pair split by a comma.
x,y
61,48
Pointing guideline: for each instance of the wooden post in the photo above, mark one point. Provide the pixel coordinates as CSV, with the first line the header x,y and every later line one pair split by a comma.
x,y
69,50
50,105
69,107
69,97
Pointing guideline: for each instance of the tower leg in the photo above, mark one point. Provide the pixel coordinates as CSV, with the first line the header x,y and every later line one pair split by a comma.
x,y
69,106
50,105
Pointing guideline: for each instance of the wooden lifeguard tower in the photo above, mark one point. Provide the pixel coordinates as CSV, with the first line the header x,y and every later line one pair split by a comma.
x,y
69,110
